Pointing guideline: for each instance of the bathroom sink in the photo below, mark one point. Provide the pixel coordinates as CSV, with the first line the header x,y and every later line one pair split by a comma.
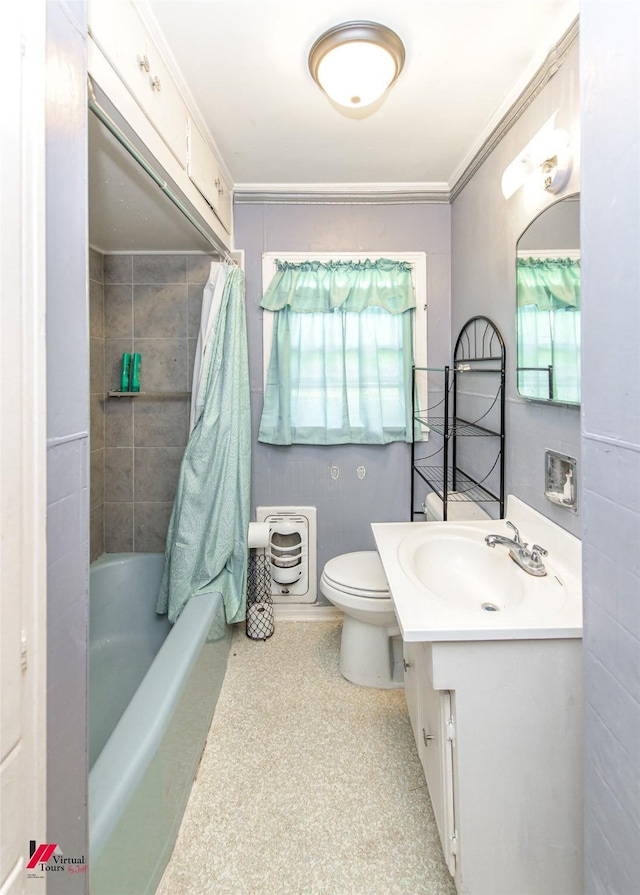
x,y
446,583
456,565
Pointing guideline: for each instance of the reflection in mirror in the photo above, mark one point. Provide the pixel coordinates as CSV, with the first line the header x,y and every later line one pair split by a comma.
x,y
548,305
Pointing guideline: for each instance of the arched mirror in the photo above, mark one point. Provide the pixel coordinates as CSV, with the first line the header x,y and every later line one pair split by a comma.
x,y
548,305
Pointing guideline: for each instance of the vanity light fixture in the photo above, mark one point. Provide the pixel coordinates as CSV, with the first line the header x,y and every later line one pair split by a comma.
x,y
546,158
356,62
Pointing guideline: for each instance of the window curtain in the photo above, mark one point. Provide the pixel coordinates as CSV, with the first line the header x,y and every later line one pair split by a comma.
x,y
342,353
549,326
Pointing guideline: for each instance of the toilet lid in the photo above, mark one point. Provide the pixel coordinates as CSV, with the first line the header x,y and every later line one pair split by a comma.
x,y
360,573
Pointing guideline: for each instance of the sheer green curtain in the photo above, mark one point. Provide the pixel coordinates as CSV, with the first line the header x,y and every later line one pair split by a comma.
x,y
342,353
549,327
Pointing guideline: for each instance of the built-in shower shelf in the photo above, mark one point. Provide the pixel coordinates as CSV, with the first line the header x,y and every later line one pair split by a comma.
x,y
118,394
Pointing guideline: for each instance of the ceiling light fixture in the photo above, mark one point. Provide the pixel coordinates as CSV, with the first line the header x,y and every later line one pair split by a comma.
x,y
356,62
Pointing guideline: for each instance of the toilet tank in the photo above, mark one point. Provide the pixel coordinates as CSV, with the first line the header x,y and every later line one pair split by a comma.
x,y
460,510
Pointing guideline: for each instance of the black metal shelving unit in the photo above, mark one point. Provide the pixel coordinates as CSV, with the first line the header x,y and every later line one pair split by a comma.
x,y
479,349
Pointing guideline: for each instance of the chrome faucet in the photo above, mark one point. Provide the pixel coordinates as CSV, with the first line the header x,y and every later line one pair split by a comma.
x,y
529,560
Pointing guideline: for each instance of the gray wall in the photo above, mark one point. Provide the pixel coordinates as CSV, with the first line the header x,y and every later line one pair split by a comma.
x,y
67,439
299,474
485,230
151,304
610,52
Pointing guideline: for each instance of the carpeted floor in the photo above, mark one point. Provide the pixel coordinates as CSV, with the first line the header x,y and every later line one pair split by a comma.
x,y
308,785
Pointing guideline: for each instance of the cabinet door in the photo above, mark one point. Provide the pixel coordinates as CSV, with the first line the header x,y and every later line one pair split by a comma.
x,y
436,754
224,203
166,109
118,30
123,38
204,173
411,673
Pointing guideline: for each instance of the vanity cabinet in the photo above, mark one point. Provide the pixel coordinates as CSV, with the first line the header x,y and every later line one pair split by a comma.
x,y
498,731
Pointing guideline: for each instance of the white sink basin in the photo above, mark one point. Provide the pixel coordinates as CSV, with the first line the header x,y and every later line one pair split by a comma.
x,y
446,583
457,566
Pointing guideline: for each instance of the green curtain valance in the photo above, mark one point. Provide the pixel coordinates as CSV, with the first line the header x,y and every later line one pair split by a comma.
x,y
322,287
549,283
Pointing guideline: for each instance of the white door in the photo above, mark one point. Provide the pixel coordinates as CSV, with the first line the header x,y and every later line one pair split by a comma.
x,y
22,444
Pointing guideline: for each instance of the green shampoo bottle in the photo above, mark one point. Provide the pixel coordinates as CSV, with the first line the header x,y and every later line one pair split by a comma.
x,y
135,373
124,372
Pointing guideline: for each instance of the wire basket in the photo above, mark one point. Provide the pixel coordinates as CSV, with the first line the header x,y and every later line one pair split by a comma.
x,y
259,624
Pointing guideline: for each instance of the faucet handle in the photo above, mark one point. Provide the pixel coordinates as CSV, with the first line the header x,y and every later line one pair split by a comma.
x,y
516,534
537,551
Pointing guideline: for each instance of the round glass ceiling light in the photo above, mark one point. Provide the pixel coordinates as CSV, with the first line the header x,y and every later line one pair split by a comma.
x,y
356,62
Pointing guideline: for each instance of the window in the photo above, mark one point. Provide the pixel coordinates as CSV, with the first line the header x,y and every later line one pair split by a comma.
x,y
338,370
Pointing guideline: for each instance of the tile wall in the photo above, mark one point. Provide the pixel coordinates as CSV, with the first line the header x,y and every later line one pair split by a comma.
x,y
151,305
610,208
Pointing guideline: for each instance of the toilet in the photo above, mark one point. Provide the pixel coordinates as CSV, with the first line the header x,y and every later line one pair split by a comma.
x,y
460,509
371,646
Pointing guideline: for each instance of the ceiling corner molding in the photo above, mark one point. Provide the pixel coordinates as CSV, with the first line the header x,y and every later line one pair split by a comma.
x,y
341,193
552,64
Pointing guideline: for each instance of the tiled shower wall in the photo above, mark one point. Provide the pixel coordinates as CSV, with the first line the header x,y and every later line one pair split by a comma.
x,y
152,306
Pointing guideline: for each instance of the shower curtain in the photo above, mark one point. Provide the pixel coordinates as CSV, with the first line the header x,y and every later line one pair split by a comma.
x,y
211,299
207,538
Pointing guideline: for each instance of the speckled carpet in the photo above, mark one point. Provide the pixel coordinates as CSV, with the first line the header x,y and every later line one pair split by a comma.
x,y
308,785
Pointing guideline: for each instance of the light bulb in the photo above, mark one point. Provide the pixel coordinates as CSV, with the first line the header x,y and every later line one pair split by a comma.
x,y
356,74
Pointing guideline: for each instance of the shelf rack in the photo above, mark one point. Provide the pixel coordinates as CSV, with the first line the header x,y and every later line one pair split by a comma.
x,y
479,349
115,393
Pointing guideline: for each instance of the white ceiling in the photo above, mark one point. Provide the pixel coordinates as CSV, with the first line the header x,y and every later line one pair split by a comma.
x,y
244,63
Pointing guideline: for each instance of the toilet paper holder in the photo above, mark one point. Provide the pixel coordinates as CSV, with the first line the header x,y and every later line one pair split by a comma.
x,y
259,623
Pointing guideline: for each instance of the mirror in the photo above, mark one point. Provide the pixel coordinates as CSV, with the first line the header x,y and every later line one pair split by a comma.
x,y
548,305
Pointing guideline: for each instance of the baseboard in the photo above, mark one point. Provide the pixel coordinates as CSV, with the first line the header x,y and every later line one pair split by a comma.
x,y
305,612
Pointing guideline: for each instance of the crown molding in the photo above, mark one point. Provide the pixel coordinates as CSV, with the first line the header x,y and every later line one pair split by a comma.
x,y
415,193
340,193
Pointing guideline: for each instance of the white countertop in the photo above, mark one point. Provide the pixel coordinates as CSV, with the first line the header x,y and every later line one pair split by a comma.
x,y
550,608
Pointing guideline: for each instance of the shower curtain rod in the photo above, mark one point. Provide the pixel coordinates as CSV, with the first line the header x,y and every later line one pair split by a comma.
x,y
110,124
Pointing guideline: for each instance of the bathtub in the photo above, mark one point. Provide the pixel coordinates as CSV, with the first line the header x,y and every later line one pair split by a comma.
x,y
152,692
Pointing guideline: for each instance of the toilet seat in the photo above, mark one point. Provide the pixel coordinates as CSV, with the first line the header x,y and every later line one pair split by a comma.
x,y
358,574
